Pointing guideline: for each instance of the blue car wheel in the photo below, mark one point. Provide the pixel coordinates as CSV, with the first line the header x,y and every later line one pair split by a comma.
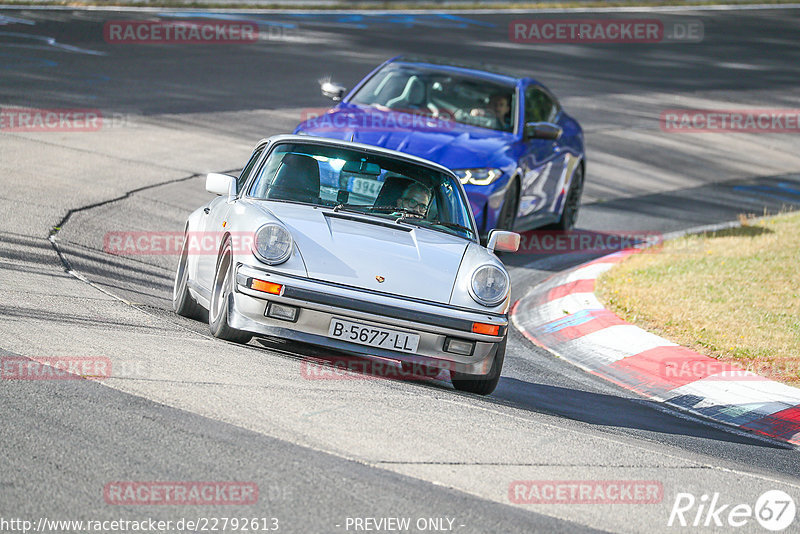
x,y
569,215
508,215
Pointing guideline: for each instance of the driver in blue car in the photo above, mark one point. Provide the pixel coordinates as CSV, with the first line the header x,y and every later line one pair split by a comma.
x,y
499,109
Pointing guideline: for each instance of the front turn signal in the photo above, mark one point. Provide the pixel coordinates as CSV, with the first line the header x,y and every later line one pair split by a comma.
x,y
486,329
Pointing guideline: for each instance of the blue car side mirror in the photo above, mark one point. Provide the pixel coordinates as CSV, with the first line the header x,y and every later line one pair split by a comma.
x,y
543,130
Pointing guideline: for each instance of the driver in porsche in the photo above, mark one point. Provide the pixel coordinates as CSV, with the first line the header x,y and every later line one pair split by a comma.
x,y
415,199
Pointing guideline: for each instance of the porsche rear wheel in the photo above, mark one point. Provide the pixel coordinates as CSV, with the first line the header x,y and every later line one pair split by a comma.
x,y
183,302
482,384
221,295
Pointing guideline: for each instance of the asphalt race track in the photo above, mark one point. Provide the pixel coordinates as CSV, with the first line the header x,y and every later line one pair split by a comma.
x,y
182,406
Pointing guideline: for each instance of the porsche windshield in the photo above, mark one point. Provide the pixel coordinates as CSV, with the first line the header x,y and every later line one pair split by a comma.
x,y
439,93
351,180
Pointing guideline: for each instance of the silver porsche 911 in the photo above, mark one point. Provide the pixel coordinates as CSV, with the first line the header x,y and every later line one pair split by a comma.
x,y
353,247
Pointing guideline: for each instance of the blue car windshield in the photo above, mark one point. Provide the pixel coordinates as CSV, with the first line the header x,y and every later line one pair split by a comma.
x,y
353,180
438,93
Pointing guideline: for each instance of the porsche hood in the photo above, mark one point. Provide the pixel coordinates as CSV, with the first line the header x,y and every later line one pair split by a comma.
x,y
372,253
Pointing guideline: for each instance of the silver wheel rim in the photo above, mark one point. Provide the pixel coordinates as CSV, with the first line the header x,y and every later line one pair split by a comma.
x,y
220,295
180,278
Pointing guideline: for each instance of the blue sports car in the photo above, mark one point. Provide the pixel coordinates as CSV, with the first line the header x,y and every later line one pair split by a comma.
x,y
519,155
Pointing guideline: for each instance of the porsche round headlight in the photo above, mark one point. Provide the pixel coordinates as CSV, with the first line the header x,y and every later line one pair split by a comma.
x,y
273,243
489,285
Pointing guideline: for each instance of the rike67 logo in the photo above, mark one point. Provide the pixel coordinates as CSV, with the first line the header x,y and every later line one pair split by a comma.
x,y
774,510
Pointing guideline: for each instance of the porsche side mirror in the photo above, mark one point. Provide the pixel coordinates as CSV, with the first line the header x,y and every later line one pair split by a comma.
x,y
503,241
332,90
543,130
221,184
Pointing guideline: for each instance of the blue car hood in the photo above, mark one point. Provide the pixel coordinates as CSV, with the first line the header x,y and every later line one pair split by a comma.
x,y
454,145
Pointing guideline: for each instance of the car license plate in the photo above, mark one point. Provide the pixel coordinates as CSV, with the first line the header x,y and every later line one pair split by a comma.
x,y
373,336
362,186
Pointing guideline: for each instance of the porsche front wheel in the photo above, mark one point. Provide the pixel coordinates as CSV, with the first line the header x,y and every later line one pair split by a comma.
x,y
482,384
182,300
221,295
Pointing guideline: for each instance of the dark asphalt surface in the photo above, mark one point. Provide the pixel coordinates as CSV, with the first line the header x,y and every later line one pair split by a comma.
x,y
62,441
306,490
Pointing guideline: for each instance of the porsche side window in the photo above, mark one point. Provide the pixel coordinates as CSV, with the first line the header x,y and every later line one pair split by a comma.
x,y
248,168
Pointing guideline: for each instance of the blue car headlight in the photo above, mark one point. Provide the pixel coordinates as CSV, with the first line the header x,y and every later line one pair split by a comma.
x,y
478,176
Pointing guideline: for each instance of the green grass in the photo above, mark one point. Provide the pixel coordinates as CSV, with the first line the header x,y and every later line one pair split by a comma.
x,y
733,295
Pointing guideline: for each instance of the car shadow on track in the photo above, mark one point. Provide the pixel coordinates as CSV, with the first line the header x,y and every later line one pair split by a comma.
x,y
597,409
605,410
602,411
325,364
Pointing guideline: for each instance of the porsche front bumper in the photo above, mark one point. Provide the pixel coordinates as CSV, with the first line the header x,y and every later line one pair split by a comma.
x,y
319,303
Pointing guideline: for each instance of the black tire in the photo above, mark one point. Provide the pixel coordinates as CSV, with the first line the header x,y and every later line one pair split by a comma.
x,y
508,215
183,302
569,215
221,293
482,384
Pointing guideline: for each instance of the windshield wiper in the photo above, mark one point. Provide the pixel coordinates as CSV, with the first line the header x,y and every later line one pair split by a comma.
x,y
347,207
390,209
404,212
420,219
368,211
